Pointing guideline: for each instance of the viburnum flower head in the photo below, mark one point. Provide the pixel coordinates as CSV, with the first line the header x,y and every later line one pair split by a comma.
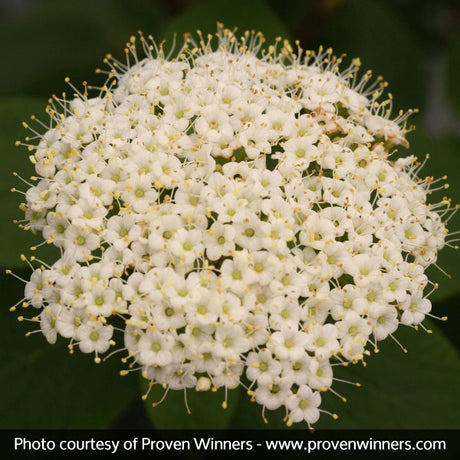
x,y
244,211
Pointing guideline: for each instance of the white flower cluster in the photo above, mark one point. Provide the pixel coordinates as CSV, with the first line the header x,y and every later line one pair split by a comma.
x,y
237,214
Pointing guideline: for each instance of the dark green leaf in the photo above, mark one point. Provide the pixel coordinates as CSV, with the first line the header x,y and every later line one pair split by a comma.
x,y
253,15
450,308
430,21
249,415
59,38
206,410
297,13
42,386
370,30
453,74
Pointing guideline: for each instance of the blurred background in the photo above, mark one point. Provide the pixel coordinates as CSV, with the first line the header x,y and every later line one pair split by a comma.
x,y
413,44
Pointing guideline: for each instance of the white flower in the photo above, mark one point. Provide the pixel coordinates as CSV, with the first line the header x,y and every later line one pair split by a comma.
x,y
219,241
298,371
155,348
48,322
228,375
288,344
263,367
304,405
214,125
79,242
186,246
94,337
415,308
320,376
364,268
69,320
322,340
230,342
273,395
38,289
138,194
236,274
384,320
121,231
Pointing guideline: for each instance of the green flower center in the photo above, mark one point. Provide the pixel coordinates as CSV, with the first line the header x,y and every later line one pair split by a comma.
x,y
303,404
258,267
320,342
353,330
275,389
236,275
99,301
331,260
346,303
94,336
249,232
194,200
187,246
300,153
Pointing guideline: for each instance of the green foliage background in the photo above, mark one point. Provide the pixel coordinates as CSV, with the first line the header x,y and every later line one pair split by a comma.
x,y
42,386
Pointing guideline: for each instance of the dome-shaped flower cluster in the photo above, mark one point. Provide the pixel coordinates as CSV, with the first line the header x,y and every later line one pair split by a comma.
x,y
239,214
